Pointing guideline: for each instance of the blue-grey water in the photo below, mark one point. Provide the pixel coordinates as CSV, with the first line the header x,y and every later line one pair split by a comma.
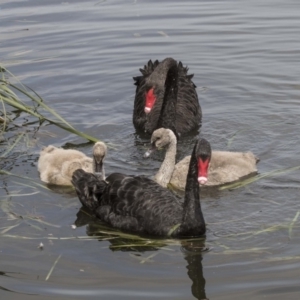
x,y
80,56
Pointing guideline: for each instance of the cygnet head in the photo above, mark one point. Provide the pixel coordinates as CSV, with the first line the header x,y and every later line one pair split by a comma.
x,y
99,153
161,138
203,156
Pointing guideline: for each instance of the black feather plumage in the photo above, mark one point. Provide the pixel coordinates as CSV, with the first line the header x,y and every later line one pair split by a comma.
x,y
188,110
138,204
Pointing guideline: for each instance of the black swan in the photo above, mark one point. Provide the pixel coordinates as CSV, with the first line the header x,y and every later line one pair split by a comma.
x,y
150,91
138,204
56,165
224,167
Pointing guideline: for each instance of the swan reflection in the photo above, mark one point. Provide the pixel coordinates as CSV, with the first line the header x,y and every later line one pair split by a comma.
x,y
192,249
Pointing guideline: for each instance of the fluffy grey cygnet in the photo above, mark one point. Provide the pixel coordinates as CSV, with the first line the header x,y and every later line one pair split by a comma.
x,y
225,166
56,165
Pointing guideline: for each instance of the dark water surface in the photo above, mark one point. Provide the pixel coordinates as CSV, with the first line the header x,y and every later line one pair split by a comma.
x,y
80,56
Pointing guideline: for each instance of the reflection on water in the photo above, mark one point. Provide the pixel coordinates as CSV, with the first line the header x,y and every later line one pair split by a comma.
x,y
192,249
193,254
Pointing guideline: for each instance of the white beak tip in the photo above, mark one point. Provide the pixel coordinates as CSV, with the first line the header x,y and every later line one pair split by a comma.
x,y
202,180
147,110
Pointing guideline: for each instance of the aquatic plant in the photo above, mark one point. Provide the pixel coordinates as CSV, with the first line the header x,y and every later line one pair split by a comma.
x,y
11,94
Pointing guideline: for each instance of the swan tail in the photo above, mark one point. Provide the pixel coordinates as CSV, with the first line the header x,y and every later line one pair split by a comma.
x,y
89,188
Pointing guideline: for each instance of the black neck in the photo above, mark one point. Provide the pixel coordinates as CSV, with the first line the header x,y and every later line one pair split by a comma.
x,y
193,220
158,76
167,118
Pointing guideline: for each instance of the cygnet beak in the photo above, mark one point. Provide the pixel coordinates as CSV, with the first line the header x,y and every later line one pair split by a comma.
x,y
148,153
150,150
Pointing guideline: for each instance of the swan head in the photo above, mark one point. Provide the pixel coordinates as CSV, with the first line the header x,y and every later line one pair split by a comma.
x,y
203,156
99,153
161,138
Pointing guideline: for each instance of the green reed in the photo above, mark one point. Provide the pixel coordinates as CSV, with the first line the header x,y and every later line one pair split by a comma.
x,y
11,94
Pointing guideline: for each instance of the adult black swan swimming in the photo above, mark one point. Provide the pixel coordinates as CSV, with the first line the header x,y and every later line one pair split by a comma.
x,y
139,204
150,90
